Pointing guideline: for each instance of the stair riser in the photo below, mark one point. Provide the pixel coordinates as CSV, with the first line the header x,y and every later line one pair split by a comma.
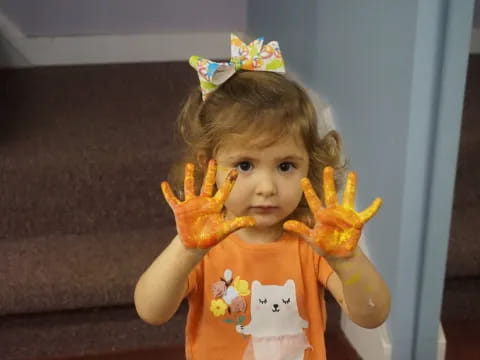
x,y
81,200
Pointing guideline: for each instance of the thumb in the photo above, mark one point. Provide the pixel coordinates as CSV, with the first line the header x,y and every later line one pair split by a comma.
x,y
237,223
299,228
305,232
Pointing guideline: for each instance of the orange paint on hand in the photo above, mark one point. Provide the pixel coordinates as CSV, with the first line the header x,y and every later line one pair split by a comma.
x,y
200,221
337,227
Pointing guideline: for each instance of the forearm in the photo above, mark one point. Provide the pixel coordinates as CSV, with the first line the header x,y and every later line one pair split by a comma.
x,y
161,288
365,293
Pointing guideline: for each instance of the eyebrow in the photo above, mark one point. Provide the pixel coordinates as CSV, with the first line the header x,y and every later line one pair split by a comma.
x,y
250,158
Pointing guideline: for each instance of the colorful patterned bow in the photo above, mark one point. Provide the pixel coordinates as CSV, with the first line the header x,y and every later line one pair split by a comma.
x,y
253,57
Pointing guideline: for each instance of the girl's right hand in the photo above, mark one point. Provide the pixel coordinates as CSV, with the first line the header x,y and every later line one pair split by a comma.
x,y
200,221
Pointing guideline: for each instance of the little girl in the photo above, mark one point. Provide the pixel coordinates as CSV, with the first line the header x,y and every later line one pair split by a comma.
x,y
253,255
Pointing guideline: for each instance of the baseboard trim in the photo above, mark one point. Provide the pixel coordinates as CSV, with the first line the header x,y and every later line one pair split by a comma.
x,y
441,343
97,49
120,49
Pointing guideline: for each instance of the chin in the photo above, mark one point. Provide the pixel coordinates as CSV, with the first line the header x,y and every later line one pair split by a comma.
x,y
265,222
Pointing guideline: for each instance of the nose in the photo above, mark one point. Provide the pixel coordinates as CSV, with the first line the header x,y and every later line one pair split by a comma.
x,y
266,185
275,306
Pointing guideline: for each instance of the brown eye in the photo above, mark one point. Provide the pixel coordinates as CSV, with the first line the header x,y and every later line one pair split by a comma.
x,y
286,166
244,166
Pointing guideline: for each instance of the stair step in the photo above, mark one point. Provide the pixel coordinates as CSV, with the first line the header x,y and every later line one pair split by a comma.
x,y
64,272
464,249
80,154
461,299
109,193
84,332
101,330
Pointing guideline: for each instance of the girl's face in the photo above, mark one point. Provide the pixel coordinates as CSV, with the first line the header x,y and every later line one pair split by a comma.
x,y
268,185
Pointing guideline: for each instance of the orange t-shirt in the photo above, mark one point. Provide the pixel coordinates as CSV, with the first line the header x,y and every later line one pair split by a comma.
x,y
257,301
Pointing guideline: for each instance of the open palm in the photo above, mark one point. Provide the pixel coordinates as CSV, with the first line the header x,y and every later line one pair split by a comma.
x,y
200,221
337,227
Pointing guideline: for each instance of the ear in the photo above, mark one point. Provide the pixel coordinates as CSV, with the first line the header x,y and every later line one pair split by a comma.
x,y
255,284
202,160
290,284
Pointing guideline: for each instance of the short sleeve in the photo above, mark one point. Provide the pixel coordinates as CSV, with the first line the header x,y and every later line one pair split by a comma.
x,y
194,278
324,271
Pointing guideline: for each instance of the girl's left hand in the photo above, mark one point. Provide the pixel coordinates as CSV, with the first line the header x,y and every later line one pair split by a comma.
x,y
337,227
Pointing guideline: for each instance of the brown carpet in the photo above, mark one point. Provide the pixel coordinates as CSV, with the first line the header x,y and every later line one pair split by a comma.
x,y
462,286
82,152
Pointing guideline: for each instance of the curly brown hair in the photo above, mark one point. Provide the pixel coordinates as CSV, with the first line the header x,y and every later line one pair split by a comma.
x,y
248,104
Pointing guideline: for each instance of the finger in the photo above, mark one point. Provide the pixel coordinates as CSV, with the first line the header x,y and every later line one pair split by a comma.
x,y
168,195
329,187
209,181
298,228
189,182
350,189
211,238
227,186
370,212
314,203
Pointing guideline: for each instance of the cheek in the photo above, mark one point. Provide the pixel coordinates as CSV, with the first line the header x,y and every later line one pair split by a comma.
x,y
295,197
293,190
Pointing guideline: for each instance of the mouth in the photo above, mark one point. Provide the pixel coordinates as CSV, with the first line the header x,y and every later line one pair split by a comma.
x,y
275,310
264,209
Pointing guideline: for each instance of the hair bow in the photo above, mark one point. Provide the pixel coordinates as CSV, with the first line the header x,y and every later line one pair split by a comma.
x,y
252,57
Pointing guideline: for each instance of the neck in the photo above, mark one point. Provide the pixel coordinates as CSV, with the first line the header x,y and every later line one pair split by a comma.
x,y
258,235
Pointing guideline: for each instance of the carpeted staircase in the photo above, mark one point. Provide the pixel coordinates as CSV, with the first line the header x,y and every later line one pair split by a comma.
x,y
462,284
82,153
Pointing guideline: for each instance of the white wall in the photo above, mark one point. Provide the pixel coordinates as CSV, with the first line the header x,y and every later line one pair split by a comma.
x,y
87,17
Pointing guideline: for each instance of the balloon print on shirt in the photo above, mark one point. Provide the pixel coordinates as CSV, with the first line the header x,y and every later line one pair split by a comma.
x,y
276,327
